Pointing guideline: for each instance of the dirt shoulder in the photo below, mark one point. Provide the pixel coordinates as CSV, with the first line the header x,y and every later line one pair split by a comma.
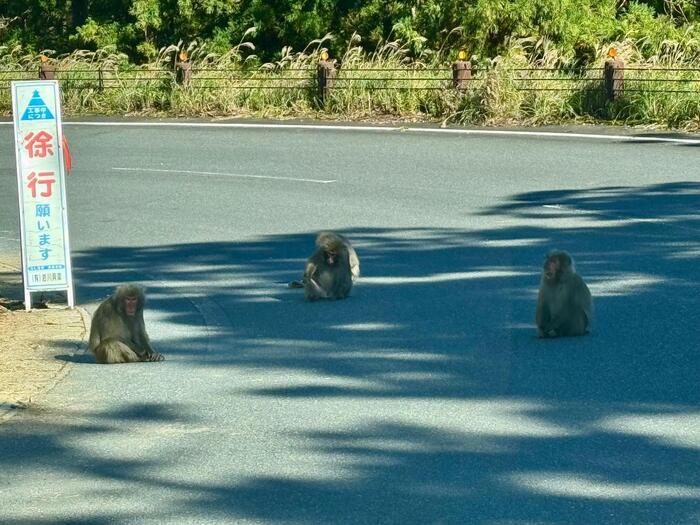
x,y
37,348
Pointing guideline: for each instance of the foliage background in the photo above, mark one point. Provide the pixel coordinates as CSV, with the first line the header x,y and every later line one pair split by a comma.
x,y
140,28
264,53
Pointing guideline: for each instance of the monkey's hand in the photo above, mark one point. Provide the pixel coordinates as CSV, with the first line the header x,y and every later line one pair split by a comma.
x,y
318,291
155,357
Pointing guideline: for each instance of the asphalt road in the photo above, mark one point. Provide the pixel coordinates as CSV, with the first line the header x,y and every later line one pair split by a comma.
x,y
423,398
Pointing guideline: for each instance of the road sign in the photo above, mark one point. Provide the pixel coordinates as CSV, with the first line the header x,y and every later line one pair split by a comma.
x,y
39,143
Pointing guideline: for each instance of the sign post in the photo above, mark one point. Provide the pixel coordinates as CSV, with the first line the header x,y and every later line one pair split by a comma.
x,y
41,188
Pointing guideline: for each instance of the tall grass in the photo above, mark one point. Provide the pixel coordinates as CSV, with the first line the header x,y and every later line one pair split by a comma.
x,y
644,100
231,85
386,83
531,83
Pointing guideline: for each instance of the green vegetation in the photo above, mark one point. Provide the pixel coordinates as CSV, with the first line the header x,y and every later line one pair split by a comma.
x,y
537,61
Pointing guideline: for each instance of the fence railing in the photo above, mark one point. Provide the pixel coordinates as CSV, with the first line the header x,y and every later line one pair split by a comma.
x,y
612,81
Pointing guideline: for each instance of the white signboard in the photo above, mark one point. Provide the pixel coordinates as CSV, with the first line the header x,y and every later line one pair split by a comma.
x,y
36,107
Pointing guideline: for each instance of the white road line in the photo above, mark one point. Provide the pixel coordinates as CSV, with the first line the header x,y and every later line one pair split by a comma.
x,y
560,134
242,125
220,174
384,129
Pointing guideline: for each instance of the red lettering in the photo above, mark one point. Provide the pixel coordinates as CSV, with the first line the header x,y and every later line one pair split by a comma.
x,y
46,178
38,145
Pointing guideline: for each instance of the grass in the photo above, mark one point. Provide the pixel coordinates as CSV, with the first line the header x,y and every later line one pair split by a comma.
x,y
530,84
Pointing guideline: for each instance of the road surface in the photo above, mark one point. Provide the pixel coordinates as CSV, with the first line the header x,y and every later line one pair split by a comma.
x,y
423,398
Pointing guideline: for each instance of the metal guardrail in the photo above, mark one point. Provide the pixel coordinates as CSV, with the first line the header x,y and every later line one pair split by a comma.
x,y
327,77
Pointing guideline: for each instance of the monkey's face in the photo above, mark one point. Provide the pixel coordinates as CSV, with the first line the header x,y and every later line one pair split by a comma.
x,y
131,305
552,267
331,256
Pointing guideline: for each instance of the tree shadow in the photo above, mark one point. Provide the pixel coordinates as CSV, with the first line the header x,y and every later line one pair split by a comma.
x,y
76,358
667,135
531,463
55,445
673,203
470,418
441,312
402,473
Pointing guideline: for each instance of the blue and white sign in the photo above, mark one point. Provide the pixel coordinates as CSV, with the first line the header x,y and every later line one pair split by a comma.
x,y
37,109
46,264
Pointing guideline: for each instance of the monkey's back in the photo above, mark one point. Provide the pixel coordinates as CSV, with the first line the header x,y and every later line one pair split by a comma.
x,y
107,323
583,297
565,307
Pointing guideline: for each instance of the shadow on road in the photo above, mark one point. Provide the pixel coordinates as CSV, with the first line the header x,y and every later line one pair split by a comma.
x,y
76,358
606,433
446,305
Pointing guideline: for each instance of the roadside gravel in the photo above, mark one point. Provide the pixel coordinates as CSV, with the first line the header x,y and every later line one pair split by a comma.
x,y
37,347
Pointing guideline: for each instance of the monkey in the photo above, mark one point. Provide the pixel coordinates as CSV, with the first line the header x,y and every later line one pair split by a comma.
x,y
564,304
331,269
330,237
117,332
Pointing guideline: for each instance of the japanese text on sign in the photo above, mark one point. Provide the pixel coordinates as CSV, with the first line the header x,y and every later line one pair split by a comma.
x,y
40,175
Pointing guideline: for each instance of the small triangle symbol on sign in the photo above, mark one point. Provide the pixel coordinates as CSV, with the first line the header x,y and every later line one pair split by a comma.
x,y
37,109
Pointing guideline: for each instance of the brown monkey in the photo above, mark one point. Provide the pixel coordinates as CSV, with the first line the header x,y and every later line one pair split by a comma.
x,y
118,333
331,270
328,237
564,304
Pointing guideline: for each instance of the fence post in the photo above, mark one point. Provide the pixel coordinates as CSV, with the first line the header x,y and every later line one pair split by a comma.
x,y
100,81
46,70
613,76
461,71
325,73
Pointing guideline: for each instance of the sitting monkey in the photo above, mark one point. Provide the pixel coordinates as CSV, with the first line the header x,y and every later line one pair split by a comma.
x,y
564,304
331,269
118,333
